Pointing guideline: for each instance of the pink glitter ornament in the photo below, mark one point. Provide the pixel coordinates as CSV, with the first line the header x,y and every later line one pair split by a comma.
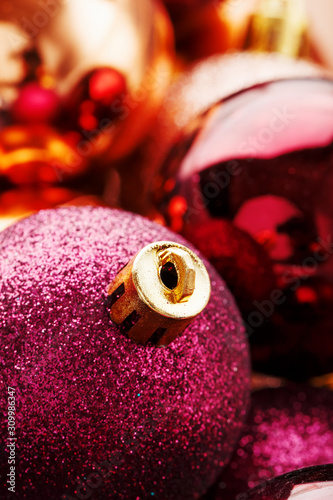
x,y
287,428
98,415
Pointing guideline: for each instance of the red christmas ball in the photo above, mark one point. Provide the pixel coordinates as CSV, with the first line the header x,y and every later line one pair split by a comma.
x,y
96,99
261,160
97,413
287,428
106,84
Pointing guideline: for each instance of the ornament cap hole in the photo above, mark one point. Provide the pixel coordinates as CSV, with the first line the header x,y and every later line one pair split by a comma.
x,y
169,275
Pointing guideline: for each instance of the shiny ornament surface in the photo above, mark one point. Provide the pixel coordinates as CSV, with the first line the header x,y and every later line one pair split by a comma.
x,y
210,81
237,257
287,428
313,483
218,77
262,160
94,407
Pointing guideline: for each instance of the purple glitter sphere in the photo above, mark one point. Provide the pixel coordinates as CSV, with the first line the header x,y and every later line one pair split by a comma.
x,y
98,416
287,428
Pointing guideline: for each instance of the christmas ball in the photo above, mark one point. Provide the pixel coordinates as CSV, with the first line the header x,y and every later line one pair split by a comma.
x,y
261,160
287,428
75,39
313,483
216,78
97,413
193,94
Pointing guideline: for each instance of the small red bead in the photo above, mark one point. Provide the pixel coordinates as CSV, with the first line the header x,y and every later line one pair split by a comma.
x,y
106,84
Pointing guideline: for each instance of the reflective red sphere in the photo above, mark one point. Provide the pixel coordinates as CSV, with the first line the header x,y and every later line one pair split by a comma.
x,y
262,161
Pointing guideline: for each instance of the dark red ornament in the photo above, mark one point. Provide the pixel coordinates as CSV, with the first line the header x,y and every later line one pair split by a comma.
x,y
262,161
242,261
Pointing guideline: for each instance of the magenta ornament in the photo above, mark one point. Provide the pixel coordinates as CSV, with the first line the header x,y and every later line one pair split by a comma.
x,y
98,415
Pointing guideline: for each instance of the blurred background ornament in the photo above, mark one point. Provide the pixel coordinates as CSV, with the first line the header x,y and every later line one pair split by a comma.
x,y
324,381
294,26
91,398
279,26
39,167
35,103
200,30
288,428
37,154
98,37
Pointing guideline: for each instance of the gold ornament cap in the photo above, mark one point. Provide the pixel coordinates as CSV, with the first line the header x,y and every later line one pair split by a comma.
x,y
159,293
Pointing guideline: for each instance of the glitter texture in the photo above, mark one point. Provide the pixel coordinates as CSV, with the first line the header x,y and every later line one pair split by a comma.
x,y
287,428
154,422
